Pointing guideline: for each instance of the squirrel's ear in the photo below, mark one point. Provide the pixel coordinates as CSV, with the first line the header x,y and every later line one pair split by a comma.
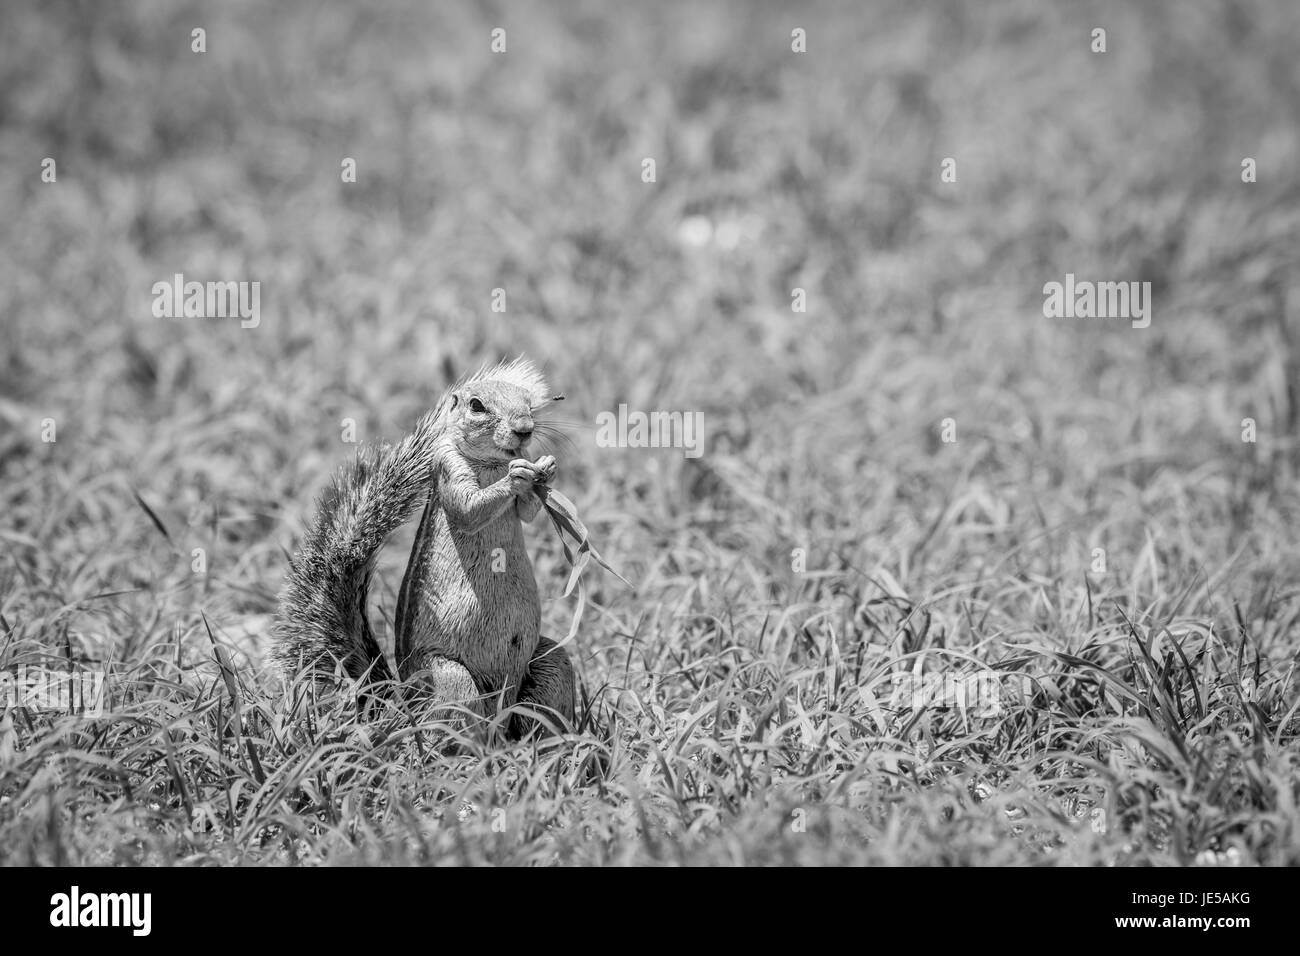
x,y
455,400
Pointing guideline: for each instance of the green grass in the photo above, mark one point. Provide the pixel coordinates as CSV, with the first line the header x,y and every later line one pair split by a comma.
x,y
1150,714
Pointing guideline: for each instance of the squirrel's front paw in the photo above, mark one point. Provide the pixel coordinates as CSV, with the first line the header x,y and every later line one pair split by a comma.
x,y
545,469
522,476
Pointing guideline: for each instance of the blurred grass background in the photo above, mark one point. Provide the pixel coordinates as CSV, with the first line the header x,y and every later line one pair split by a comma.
x,y
775,171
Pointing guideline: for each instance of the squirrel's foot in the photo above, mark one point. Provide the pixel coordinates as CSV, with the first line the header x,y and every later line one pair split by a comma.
x,y
548,688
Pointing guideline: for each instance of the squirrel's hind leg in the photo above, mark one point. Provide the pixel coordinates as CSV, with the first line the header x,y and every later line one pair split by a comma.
x,y
547,686
444,681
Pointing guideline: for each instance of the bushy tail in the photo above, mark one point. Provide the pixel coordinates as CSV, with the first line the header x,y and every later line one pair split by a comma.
x,y
322,618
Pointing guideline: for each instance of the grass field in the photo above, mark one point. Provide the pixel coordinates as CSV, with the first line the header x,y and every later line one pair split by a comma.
x,y
1099,545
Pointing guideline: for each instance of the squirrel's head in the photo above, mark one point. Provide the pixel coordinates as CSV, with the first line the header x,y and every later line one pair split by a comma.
x,y
493,411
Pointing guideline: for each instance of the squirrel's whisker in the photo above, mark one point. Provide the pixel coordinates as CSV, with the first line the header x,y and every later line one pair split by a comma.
x,y
552,442
559,423
553,428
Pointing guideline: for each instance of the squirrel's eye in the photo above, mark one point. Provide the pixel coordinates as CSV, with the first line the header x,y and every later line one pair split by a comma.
x,y
476,406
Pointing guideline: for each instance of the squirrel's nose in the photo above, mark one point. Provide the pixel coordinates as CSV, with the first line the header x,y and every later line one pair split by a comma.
x,y
523,434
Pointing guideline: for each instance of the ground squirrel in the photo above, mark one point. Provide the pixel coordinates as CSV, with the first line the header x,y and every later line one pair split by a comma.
x,y
468,614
